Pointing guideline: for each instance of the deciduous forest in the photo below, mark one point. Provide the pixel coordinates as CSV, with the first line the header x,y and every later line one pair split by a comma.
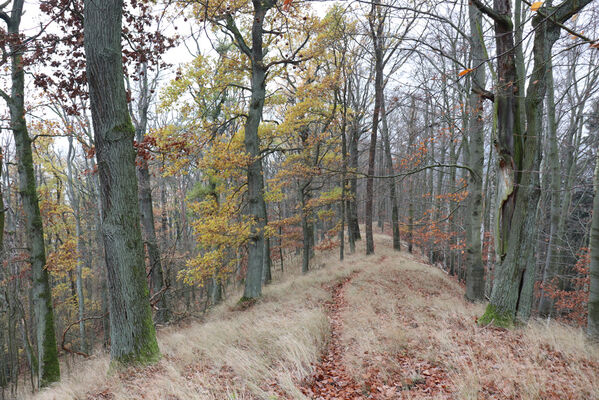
x,y
285,199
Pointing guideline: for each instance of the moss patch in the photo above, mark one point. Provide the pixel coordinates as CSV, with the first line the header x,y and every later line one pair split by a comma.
x,y
244,303
496,317
148,355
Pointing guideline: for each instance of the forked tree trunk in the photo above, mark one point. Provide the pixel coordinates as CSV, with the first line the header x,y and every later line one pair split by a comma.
x,y
132,333
519,158
255,182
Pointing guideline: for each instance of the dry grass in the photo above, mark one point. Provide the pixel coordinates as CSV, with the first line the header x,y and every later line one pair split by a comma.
x,y
408,326
263,352
407,332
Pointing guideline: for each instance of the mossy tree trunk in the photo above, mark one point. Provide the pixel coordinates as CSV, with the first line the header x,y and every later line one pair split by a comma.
x,y
519,157
146,208
132,333
48,370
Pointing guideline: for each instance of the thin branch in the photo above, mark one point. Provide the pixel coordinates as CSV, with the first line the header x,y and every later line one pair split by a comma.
x,y
64,334
232,27
494,15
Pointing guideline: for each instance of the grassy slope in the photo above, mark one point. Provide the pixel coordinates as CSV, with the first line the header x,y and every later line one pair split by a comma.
x,y
407,332
409,328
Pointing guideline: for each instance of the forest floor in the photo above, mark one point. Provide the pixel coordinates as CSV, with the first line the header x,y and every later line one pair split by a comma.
x,y
384,326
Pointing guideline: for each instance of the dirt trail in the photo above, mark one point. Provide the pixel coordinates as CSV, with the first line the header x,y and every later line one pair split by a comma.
x,y
330,380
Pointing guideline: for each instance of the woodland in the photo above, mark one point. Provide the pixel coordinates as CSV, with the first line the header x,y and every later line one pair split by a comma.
x,y
168,168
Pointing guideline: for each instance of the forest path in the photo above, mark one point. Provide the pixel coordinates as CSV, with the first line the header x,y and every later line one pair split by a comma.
x,y
330,379
366,357
385,326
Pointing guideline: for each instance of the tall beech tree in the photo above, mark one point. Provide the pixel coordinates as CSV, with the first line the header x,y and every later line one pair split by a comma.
x,y
132,333
48,367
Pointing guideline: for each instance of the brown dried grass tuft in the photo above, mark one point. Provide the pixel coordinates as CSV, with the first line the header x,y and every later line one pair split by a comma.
x,y
263,352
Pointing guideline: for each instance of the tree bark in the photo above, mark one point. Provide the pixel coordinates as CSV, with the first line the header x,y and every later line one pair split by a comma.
x,y
392,184
146,207
353,226
519,159
132,333
475,284
593,305
551,265
255,182
377,24
75,202
307,225
49,369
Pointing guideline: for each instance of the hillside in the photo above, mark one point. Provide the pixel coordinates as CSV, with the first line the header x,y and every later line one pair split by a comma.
x,y
381,327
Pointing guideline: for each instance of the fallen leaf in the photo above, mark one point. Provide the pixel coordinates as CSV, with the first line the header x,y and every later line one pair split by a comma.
x,y
536,5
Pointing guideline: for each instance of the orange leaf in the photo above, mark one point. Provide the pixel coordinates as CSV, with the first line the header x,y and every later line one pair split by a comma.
x,y
286,4
536,5
465,72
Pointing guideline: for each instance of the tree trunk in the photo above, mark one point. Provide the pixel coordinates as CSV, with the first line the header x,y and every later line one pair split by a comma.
x,y
267,272
377,23
146,207
307,226
551,265
75,202
343,183
392,185
133,337
519,160
255,182
353,226
593,306
475,284
49,369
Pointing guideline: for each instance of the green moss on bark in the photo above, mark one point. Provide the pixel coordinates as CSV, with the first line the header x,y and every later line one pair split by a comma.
x,y
126,127
51,366
496,317
149,354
